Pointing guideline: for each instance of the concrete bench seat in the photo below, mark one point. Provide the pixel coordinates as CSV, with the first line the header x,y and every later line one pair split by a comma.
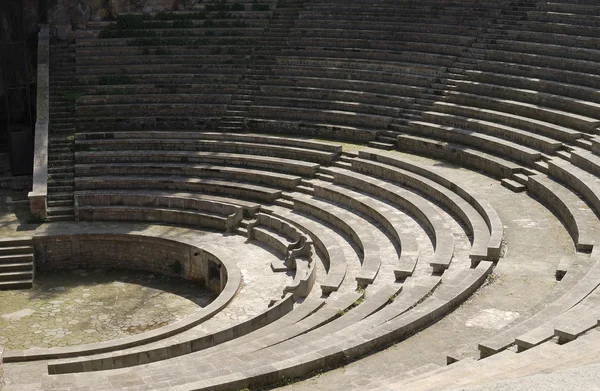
x,y
583,107
348,27
490,164
405,243
334,117
128,121
223,136
576,324
386,104
292,100
579,77
304,278
587,161
586,285
553,37
274,141
471,218
372,54
289,166
566,7
320,83
210,186
166,198
208,145
264,177
568,19
179,55
548,86
578,219
214,66
560,117
479,141
581,317
135,100
382,78
416,34
322,130
275,241
254,28
539,60
159,80
154,214
150,109
193,87
522,137
371,304
352,225
283,236
415,205
414,23
543,128
582,182
325,243
285,330
364,64
330,41
557,50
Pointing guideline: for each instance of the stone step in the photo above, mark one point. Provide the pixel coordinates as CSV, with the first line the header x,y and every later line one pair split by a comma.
x,y
16,267
52,196
16,276
16,250
59,203
60,189
18,284
16,258
381,145
513,185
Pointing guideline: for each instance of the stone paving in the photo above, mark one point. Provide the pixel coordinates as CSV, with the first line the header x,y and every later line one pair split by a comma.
x,y
87,306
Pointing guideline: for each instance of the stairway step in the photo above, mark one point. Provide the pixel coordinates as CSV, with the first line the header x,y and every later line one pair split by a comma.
x,y
60,196
19,284
16,267
521,178
16,258
513,185
60,211
16,250
59,203
16,276
53,219
381,145
284,203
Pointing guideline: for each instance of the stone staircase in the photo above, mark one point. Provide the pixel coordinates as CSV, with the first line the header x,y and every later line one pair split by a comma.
x,y
16,263
267,49
61,169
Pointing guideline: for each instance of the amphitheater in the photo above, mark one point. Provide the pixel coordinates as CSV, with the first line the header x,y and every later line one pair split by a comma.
x,y
377,194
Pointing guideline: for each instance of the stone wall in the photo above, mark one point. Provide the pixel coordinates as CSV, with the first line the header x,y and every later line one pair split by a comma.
x,y
131,252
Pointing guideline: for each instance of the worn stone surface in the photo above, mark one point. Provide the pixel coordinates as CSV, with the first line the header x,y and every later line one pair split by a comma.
x,y
87,306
